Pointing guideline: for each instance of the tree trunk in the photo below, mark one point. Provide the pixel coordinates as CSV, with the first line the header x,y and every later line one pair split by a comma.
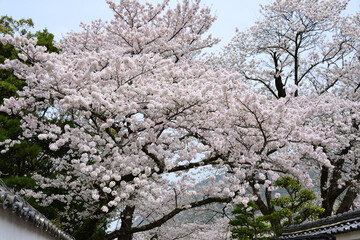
x,y
330,194
126,223
280,87
266,209
278,81
328,205
347,201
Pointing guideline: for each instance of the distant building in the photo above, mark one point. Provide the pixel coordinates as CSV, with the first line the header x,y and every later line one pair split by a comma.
x,y
344,226
19,220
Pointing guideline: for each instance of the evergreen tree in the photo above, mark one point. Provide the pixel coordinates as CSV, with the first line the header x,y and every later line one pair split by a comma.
x,y
296,206
17,164
247,224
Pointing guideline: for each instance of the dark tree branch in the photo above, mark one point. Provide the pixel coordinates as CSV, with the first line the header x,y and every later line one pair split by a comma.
x,y
126,232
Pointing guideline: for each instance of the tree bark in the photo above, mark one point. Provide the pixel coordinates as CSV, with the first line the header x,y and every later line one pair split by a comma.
x,y
347,201
126,231
126,223
330,194
278,81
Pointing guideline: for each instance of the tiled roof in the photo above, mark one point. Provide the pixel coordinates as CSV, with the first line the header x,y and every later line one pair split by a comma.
x,y
341,223
16,204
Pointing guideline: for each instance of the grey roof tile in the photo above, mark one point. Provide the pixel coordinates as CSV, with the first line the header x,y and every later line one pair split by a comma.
x,y
341,223
16,204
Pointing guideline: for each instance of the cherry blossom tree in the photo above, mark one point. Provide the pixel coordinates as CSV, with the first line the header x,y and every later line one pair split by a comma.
x,y
297,42
123,101
140,121
339,185
311,45
216,227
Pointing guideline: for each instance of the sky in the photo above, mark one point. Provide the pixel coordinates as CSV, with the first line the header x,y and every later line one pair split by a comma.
x,y
62,16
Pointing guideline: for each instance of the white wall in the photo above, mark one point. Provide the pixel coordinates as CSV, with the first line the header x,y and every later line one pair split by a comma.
x,y
12,227
349,236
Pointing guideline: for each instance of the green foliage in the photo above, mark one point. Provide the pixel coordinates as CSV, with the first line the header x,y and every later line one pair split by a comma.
x,y
8,25
24,158
7,90
296,206
19,182
91,229
44,38
247,224
9,84
17,164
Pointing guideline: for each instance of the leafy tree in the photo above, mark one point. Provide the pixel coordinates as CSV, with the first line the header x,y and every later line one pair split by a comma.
x,y
29,156
9,84
44,38
26,157
247,225
296,206
8,25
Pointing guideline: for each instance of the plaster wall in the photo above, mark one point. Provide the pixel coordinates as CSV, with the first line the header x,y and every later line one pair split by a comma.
x,y
355,235
12,227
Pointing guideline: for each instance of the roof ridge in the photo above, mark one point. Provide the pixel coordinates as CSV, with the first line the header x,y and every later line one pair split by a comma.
x,y
16,204
339,223
352,215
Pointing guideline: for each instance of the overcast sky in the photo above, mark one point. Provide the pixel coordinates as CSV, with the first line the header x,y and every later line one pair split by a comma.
x,y
62,16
